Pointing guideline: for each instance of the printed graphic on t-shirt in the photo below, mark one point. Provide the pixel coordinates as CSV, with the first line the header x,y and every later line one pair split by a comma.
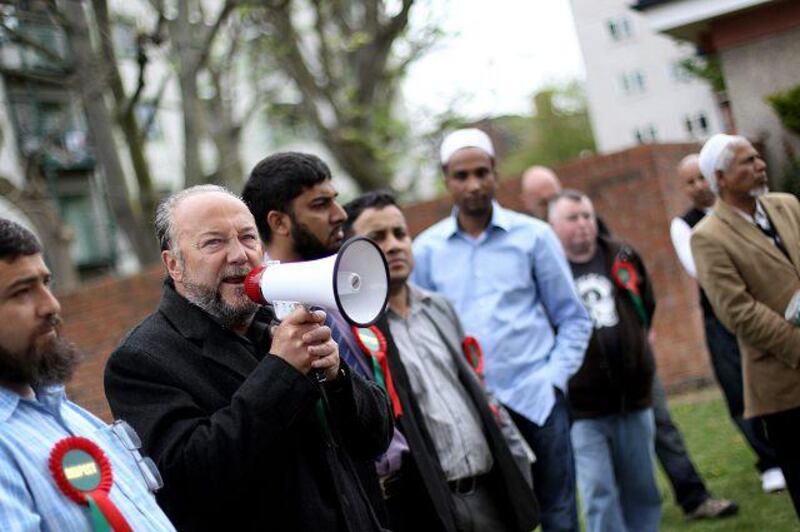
x,y
597,294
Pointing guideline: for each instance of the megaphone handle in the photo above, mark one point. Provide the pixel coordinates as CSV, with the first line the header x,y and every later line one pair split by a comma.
x,y
283,309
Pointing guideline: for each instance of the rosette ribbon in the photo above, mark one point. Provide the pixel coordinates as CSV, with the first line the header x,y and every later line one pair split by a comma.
x,y
624,274
372,342
83,473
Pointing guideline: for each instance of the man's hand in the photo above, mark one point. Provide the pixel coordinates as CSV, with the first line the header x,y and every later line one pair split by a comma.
x,y
302,341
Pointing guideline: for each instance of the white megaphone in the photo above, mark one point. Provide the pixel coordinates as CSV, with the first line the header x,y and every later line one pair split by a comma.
x,y
355,281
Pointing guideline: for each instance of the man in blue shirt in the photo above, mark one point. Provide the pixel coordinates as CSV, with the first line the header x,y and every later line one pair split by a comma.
x,y
509,281
35,413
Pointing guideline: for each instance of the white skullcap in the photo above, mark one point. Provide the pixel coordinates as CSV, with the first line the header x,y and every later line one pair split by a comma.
x,y
465,138
709,155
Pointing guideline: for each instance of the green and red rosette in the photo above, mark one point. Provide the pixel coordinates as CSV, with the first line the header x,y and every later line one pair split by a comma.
x,y
626,277
83,473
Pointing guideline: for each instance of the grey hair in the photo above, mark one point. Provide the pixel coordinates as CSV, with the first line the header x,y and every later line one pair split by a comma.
x,y
724,161
567,193
165,221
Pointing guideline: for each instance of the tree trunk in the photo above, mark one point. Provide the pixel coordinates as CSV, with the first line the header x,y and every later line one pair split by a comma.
x,y
187,75
55,235
99,120
124,112
359,162
226,135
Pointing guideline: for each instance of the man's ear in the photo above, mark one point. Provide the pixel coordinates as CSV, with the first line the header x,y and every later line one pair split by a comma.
x,y
280,223
720,179
172,264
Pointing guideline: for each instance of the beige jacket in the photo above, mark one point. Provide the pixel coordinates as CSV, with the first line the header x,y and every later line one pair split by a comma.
x,y
749,283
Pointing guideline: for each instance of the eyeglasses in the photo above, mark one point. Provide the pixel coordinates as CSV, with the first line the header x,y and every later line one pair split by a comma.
x,y
132,443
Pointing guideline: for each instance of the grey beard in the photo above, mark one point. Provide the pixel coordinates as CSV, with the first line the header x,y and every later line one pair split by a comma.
x,y
759,191
210,300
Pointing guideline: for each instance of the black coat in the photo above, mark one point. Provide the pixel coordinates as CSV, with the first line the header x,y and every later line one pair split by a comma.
x,y
614,383
240,442
430,505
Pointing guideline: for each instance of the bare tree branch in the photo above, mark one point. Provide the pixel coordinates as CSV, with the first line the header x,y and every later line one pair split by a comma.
x,y
155,102
398,23
339,15
142,60
287,47
211,33
322,37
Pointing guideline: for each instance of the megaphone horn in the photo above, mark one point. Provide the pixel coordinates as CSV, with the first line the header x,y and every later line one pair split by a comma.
x,y
355,281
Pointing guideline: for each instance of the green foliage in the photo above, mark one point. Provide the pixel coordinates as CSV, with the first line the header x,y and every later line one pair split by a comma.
x,y
786,105
707,68
336,69
727,465
560,130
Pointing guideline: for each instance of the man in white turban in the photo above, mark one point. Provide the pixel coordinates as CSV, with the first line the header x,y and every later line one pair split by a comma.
x,y
510,283
747,255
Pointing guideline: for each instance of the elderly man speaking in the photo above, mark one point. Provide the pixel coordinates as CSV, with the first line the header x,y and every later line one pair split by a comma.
x,y
747,255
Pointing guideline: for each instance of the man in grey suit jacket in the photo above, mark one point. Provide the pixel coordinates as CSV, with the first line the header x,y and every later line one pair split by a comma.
x,y
747,254
469,478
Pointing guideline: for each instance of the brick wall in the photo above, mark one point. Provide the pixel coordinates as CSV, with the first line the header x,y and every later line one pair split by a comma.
x,y
634,191
96,318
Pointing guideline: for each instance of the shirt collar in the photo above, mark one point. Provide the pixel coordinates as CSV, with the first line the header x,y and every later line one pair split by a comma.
x,y
50,396
500,218
416,299
760,217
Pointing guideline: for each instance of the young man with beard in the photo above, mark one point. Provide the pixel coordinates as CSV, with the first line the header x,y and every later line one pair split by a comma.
x,y
293,200
245,439
747,254
509,281
35,414
726,359
470,480
610,397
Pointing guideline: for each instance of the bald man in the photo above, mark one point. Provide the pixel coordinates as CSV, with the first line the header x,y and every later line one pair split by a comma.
x,y
722,346
539,185
224,401
690,490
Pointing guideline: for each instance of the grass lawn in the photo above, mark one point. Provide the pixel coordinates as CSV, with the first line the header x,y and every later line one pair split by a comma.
x,y
724,460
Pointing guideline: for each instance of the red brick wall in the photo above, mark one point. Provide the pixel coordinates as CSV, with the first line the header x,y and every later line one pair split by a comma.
x,y
634,191
96,318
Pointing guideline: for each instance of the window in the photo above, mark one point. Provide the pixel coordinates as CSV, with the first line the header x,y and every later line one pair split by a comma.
x,y
702,123
633,82
646,134
696,125
619,28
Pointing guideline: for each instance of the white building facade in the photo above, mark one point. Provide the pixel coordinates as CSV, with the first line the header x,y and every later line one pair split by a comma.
x,y
636,90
